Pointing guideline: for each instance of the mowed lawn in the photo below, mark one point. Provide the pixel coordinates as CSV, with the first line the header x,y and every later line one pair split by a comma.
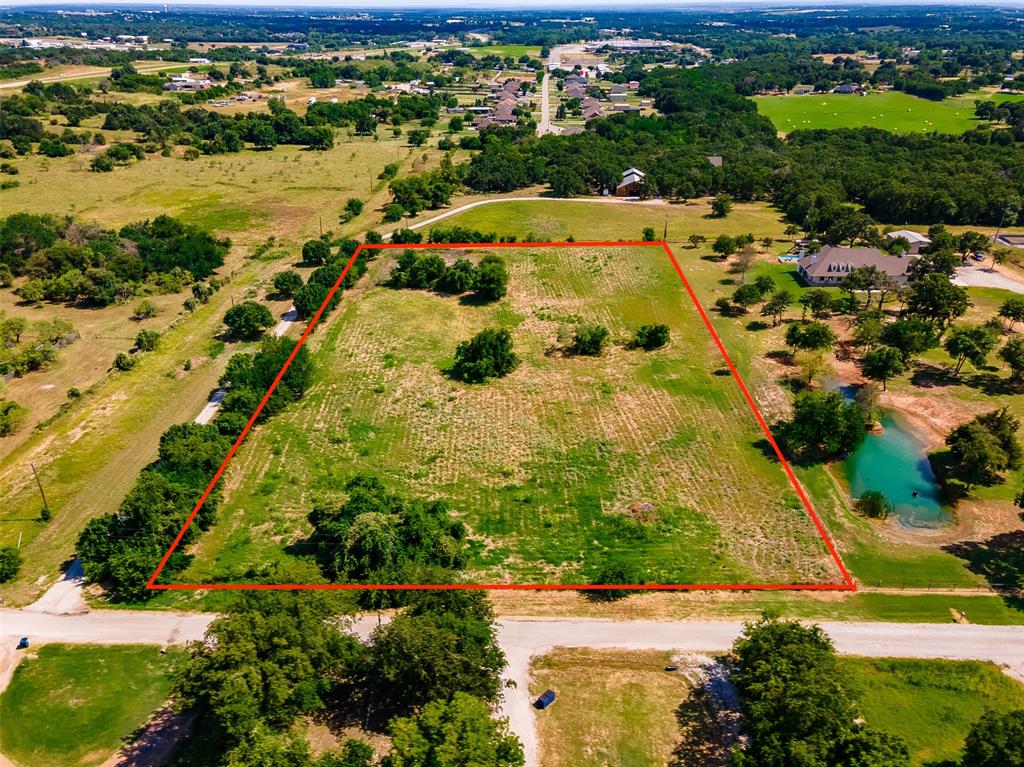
x,y
71,706
931,704
615,708
889,110
649,457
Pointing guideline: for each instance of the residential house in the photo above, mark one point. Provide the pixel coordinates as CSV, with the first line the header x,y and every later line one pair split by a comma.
x,y
633,85
802,90
715,160
592,113
917,241
833,263
632,181
575,91
847,88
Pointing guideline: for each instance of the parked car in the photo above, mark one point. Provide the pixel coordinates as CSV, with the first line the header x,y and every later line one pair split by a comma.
x,y
546,699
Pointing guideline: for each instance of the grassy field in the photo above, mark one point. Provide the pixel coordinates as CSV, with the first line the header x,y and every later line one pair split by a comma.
x,y
73,706
514,51
651,457
889,110
615,708
654,718
931,704
90,456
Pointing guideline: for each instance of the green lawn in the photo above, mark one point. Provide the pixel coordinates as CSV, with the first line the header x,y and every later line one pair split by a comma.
x,y
515,51
931,704
890,110
72,706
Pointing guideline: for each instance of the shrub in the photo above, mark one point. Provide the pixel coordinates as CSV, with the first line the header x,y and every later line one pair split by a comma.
x,y
491,280
11,416
147,340
487,355
874,504
650,337
589,339
145,309
124,361
10,563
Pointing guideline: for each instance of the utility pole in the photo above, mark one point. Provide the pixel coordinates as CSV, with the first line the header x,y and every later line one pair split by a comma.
x,y
664,234
39,484
321,226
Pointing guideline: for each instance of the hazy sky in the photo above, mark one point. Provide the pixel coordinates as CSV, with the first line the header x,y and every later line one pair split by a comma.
x,y
579,8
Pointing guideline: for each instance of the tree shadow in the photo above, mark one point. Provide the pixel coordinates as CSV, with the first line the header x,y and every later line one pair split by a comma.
x,y
755,325
999,560
700,743
783,356
472,299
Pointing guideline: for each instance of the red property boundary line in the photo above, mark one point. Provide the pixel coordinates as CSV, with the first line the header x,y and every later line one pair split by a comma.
x,y
847,583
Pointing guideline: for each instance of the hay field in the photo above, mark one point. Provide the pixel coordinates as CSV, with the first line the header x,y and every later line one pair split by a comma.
x,y
653,458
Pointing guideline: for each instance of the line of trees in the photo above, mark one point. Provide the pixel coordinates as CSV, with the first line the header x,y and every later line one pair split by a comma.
x,y
419,270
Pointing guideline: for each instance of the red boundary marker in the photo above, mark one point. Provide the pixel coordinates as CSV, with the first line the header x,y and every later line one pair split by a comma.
x,y
847,583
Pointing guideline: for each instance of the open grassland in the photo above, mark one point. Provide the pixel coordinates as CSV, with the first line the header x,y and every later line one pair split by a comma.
x,y
90,455
653,458
890,110
873,555
514,51
72,706
931,704
616,708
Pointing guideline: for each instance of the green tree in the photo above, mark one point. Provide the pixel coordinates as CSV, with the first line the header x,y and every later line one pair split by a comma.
x,y
724,246
746,296
984,447
817,301
441,646
264,136
970,342
287,282
936,299
996,740
1012,310
453,733
882,363
776,305
316,252
810,336
649,234
721,206
487,355
912,336
823,425
1013,355
589,339
874,504
248,320
491,280
10,563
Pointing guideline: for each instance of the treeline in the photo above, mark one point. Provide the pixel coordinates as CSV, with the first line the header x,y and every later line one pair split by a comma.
x,y
121,549
893,178
67,260
428,678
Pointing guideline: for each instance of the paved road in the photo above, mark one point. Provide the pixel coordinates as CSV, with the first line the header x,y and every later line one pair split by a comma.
x,y
978,277
545,126
522,639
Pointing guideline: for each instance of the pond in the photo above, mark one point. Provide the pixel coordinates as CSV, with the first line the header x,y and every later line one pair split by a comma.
x,y
896,463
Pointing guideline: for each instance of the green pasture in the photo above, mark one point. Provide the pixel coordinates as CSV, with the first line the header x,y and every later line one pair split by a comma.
x,y
889,110
75,705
